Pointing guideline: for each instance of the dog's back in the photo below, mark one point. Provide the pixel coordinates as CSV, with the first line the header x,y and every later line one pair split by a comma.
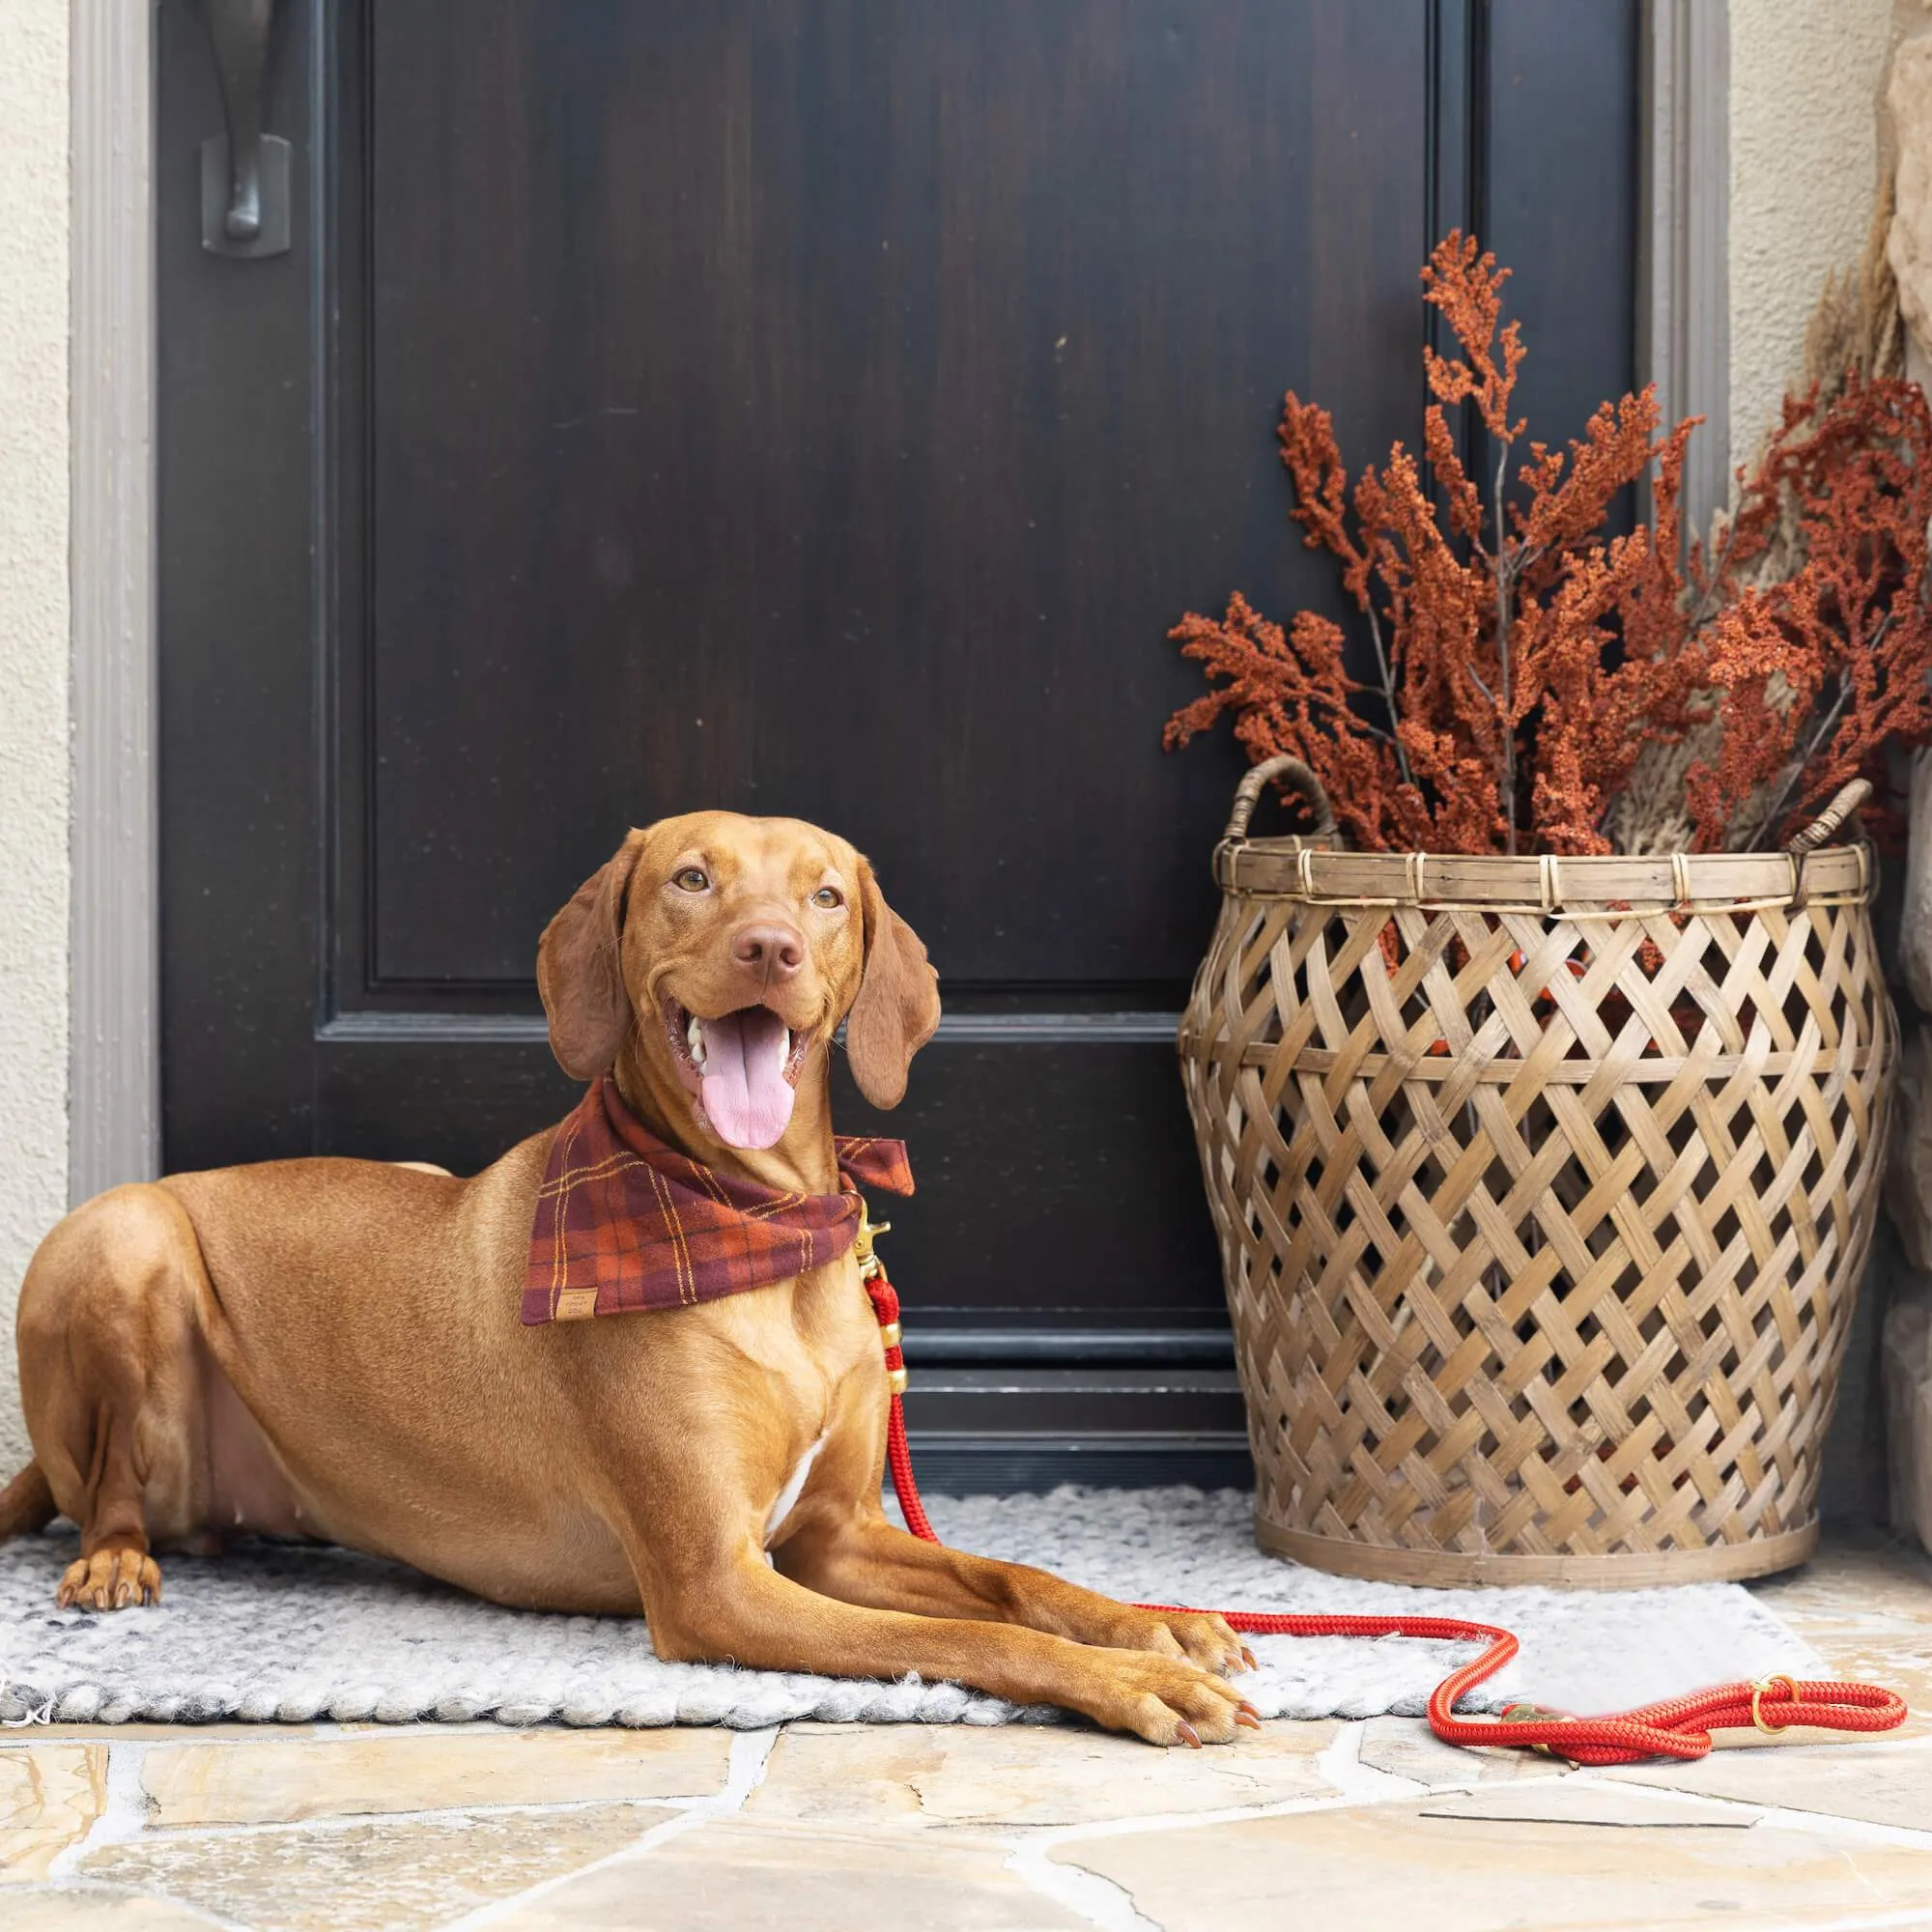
x,y
307,1347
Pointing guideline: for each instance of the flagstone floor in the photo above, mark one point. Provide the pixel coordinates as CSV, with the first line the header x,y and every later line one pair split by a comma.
x,y
1356,1826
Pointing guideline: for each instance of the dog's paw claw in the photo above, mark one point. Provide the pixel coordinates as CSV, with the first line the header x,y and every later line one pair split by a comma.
x,y
110,1580
1200,1636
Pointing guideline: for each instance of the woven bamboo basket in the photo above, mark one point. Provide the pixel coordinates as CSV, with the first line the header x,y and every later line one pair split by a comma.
x,y
1543,1187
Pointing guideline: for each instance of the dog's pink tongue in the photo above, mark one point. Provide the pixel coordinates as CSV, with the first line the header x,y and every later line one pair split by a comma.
x,y
747,1097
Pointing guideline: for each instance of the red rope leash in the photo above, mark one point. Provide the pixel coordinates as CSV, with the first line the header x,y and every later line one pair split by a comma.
x,y
1678,1727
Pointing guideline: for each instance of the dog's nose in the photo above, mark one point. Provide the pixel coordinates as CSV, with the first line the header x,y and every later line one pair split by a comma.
x,y
773,951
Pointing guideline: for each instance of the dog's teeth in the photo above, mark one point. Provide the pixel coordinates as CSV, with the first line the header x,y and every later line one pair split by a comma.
x,y
694,1036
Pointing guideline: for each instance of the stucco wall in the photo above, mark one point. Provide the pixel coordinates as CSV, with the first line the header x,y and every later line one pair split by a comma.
x,y
1806,80
34,675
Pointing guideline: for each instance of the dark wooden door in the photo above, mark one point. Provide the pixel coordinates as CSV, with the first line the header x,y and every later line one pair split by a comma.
x,y
823,409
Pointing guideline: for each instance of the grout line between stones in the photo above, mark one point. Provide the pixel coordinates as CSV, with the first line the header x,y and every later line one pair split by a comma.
x,y
750,1754
1341,1764
1105,1904
1231,1814
1857,1830
124,1812
1109,1907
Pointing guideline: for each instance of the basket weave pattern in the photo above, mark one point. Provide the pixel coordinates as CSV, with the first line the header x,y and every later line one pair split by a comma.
x,y
1542,1215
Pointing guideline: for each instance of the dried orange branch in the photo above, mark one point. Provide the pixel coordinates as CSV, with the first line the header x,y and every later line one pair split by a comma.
x,y
1524,658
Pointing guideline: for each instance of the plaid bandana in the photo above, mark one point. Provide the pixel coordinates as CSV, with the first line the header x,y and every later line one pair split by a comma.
x,y
625,1222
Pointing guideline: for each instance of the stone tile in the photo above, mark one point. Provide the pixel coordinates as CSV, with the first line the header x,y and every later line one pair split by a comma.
x,y
403,1770
370,1877
1855,1573
90,1908
924,1774
1588,1804
1865,1603
1406,1747
1387,1868
48,1799
1884,1785
732,1874
1898,1659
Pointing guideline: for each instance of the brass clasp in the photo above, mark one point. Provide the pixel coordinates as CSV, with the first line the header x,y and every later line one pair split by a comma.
x,y
1538,1714
1758,1691
869,1265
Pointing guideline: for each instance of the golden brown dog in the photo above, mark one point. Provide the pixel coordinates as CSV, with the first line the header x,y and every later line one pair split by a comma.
x,y
332,1348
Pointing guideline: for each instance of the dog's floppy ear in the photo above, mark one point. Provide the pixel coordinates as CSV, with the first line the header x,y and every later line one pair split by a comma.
x,y
580,973
897,1007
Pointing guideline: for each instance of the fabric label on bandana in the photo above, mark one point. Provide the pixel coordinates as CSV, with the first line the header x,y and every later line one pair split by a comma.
x,y
625,1222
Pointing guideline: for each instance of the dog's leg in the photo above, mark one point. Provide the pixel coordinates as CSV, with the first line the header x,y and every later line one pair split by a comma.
x,y
114,1569
106,1358
737,1610
865,1559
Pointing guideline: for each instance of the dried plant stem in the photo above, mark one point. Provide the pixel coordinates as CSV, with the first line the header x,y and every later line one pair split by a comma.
x,y
1774,810
1777,808
1706,602
1388,676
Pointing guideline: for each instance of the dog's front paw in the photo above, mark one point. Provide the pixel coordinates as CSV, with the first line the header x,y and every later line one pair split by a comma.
x,y
110,1580
1199,1636
1165,1699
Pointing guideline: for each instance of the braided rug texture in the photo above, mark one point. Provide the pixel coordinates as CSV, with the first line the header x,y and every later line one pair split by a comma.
x,y
295,1635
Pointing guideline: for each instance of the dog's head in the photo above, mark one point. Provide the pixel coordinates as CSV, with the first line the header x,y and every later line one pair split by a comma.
x,y
725,951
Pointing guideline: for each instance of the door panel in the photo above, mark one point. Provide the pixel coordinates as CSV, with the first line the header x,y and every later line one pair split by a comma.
x,y
816,410
820,410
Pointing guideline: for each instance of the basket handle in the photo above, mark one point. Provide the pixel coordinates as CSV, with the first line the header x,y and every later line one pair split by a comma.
x,y
1846,802
1293,773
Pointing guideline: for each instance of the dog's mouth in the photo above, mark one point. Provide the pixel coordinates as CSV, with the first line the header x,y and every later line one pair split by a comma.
x,y
742,1069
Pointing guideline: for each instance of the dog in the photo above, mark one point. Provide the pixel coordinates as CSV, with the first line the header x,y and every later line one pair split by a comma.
x,y
332,1348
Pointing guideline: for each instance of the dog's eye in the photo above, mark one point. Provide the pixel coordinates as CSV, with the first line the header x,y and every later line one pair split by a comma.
x,y
828,896
691,879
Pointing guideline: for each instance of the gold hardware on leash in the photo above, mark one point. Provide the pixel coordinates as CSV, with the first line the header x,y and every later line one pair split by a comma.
x,y
871,1269
1538,1714
1758,1691
869,1265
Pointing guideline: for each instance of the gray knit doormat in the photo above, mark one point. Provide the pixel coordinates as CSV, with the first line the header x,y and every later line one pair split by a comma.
x,y
292,1634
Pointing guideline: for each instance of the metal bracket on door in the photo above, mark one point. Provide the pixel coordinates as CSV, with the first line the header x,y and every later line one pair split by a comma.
x,y
245,173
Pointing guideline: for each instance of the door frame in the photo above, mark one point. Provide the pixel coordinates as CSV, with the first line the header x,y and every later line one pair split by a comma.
x,y
1684,312
114,890
114,1133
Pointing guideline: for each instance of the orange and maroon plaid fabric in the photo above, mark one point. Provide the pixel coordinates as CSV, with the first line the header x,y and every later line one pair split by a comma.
x,y
625,1222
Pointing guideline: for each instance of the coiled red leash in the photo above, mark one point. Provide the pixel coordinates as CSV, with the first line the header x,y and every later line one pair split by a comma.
x,y
1678,1727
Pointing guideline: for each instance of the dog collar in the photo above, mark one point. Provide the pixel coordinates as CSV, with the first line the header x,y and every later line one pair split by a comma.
x,y
625,1221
